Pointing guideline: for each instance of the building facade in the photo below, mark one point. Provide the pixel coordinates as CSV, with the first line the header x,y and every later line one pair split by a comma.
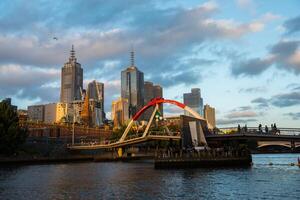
x,y
36,113
210,115
55,112
71,80
96,96
152,91
194,101
132,88
119,112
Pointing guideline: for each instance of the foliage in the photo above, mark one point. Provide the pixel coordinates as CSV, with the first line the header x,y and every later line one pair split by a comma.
x,y
11,135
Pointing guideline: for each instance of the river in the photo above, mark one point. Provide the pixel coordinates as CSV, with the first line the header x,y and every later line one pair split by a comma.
x,y
139,180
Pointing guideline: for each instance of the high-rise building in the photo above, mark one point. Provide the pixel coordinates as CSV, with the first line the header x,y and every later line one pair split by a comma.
x,y
151,91
96,96
71,80
119,112
194,101
132,87
8,101
209,115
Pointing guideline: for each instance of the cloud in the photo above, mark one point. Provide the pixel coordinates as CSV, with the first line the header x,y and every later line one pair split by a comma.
x,y
234,122
162,38
29,82
241,114
261,102
280,100
292,25
248,5
285,55
286,99
293,115
253,90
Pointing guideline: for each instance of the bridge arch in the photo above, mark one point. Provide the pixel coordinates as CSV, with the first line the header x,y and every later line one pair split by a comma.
x,y
274,145
155,102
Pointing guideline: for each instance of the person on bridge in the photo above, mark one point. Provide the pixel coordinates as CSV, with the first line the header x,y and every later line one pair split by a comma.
x,y
266,129
260,128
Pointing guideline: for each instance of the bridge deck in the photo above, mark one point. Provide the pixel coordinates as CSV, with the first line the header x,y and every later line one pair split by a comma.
x,y
125,143
261,137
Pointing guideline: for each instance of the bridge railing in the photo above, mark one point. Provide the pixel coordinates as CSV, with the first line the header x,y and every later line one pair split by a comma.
x,y
255,130
160,133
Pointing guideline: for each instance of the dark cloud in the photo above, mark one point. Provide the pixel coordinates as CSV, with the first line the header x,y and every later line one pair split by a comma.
x,y
284,49
292,25
261,102
286,100
29,83
279,100
250,67
293,115
284,55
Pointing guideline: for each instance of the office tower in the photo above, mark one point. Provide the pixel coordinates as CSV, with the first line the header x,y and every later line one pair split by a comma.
x,y
209,115
96,96
119,112
151,91
132,87
71,80
194,101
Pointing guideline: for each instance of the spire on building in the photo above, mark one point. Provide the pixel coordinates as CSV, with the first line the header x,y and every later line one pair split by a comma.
x,y
132,56
72,53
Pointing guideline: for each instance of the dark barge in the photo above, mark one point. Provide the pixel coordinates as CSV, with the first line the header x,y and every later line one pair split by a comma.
x,y
203,159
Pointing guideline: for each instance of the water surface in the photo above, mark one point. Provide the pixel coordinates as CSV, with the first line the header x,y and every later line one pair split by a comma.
x,y
139,180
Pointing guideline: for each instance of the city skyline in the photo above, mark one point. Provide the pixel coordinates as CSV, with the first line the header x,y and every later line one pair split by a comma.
x,y
247,67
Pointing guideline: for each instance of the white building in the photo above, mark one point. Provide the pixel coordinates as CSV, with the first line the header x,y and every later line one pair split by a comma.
x,y
55,112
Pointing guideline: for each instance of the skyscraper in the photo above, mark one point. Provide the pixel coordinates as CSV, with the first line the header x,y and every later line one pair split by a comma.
x,y
95,92
209,115
151,91
194,101
71,80
132,87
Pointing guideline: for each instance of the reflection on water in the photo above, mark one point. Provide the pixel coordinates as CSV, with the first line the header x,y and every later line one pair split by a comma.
x,y
139,180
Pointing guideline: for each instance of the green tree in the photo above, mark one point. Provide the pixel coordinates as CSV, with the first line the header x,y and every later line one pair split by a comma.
x,y
11,135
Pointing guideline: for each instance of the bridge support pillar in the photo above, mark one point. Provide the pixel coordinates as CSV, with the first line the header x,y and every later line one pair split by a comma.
x,y
120,152
292,145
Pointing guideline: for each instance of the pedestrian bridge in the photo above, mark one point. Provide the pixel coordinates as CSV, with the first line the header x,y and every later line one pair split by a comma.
x,y
147,134
288,144
127,142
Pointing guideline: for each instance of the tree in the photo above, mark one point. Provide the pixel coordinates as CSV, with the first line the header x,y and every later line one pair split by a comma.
x,y
11,134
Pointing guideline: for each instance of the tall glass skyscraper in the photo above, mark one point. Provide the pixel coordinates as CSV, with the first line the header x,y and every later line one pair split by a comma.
x,y
194,101
132,87
71,80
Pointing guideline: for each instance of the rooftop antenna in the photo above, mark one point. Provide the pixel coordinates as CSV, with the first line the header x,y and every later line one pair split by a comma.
x,y
132,56
72,52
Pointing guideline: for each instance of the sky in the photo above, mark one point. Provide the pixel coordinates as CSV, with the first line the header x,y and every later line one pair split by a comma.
x,y
243,54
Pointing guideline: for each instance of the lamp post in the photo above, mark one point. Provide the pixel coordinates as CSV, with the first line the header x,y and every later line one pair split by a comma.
x,y
73,131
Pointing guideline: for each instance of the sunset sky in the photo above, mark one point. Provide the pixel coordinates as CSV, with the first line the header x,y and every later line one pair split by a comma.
x,y
243,54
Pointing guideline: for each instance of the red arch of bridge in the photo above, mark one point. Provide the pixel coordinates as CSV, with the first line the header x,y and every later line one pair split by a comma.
x,y
155,101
